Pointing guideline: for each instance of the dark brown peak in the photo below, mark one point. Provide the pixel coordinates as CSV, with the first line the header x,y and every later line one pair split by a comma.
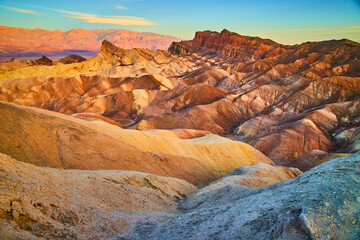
x,y
43,57
350,42
106,43
225,32
200,34
225,44
107,46
73,58
344,40
43,61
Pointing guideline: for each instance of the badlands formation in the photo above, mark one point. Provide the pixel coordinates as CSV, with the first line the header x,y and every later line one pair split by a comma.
x,y
283,100
206,140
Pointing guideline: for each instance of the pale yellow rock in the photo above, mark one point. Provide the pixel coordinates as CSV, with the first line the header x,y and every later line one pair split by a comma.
x,y
141,99
254,176
51,139
163,81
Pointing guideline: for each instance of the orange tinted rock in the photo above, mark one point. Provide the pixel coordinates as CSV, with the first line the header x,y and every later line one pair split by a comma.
x,y
293,141
251,89
51,139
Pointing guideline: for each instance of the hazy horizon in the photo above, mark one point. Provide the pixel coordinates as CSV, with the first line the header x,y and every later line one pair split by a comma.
x,y
180,37
282,21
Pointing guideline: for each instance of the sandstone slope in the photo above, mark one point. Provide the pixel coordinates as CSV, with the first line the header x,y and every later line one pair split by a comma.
x,y
39,202
256,175
50,139
46,203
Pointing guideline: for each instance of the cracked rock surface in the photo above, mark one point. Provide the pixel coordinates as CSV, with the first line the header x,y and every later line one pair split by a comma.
x,y
322,203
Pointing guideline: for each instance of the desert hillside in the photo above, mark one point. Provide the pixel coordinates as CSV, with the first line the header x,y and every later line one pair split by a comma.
x,y
54,140
220,137
43,203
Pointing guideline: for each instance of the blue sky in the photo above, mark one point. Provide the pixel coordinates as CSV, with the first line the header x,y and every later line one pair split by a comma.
x,y
283,21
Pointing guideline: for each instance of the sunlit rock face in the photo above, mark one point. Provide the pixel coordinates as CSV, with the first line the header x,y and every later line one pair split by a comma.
x,y
283,100
50,139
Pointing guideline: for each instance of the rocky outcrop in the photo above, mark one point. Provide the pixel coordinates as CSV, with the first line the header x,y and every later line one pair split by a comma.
x,y
309,160
43,61
348,138
51,139
16,63
319,204
115,56
228,45
314,158
73,58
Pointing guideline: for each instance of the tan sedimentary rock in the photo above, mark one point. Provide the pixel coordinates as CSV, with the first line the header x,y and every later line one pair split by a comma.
x,y
50,139
255,175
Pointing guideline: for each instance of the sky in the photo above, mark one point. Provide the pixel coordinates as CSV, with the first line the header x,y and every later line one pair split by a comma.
x,y
287,22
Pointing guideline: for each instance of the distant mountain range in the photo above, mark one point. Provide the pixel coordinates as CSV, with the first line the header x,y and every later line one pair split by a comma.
x,y
22,42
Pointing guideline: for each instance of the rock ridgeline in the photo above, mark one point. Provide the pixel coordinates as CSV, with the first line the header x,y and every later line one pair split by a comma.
x,y
16,63
228,45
